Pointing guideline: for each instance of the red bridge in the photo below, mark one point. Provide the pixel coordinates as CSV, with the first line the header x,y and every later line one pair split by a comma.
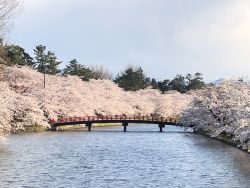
x,y
123,119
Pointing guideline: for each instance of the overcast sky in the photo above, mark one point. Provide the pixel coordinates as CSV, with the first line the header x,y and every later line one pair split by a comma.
x,y
164,37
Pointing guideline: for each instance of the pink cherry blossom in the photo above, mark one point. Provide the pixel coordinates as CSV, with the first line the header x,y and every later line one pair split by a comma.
x,y
25,102
222,109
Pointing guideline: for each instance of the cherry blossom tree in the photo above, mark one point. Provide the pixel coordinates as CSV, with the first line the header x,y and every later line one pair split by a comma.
x,y
223,109
26,102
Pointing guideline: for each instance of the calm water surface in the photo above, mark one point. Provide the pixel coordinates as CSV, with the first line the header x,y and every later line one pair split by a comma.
x,y
108,157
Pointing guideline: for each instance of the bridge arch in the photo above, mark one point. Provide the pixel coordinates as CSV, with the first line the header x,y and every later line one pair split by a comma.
x,y
123,119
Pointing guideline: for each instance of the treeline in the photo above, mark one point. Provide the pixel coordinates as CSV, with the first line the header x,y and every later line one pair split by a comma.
x,y
131,79
46,61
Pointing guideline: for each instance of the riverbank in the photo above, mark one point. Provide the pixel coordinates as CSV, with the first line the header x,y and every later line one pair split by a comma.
x,y
40,128
26,105
224,138
222,112
25,102
83,127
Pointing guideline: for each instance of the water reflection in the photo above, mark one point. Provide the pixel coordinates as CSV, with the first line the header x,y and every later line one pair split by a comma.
x,y
108,157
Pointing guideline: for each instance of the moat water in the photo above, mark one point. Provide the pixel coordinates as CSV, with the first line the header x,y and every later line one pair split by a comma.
x,y
108,157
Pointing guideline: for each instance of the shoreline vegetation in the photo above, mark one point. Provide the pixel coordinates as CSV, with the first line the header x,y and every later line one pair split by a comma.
x,y
83,127
25,102
221,112
224,138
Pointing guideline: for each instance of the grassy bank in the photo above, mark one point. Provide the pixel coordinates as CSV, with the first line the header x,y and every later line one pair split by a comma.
x,y
35,128
79,127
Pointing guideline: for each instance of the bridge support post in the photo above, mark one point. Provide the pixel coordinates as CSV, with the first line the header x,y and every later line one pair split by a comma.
x,y
53,128
124,124
89,125
161,126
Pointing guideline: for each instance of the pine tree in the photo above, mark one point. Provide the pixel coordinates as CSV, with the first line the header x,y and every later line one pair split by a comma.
x,y
132,79
46,62
164,85
154,84
40,58
52,63
195,82
75,68
178,83
17,55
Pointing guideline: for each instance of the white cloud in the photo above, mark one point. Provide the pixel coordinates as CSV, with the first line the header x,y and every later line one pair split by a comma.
x,y
222,32
177,36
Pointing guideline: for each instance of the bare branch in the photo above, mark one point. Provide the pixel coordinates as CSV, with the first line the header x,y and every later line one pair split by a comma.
x,y
8,10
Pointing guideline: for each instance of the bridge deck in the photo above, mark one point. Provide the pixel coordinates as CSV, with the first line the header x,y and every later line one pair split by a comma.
x,y
124,119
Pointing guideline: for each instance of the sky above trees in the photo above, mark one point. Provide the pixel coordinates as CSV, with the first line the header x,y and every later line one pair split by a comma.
x,y
164,37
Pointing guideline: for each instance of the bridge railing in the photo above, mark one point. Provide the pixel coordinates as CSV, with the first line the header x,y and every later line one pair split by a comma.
x,y
113,117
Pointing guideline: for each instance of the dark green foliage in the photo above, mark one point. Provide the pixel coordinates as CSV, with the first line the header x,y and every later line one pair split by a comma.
x,y
46,62
52,63
154,84
75,68
132,79
18,56
148,81
195,82
164,85
180,83
40,58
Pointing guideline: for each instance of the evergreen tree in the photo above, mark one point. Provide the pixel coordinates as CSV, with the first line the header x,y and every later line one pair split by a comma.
x,y
154,84
40,58
164,85
18,56
52,63
46,62
75,68
178,83
132,79
148,81
195,82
